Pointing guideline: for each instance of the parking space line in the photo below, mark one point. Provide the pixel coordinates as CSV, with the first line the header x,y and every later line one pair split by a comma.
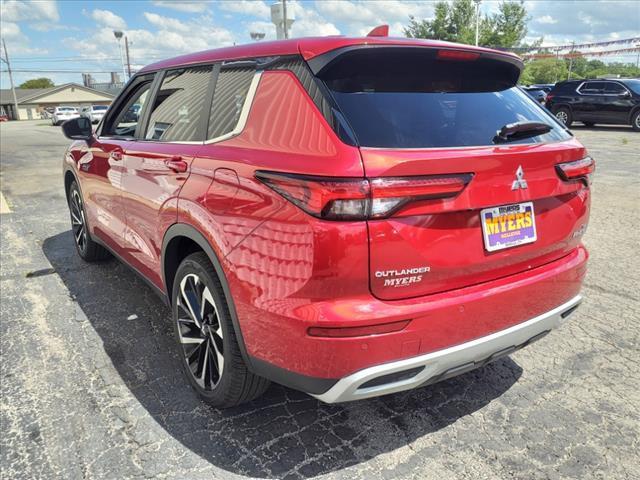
x,y
4,206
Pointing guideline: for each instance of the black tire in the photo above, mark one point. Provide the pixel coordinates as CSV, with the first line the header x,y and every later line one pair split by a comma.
x,y
88,250
563,114
204,340
635,121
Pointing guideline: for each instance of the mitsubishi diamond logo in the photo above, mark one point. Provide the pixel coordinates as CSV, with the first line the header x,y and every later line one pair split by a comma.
x,y
519,182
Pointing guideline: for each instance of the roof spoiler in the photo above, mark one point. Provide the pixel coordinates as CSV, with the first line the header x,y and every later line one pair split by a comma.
x,y
379,31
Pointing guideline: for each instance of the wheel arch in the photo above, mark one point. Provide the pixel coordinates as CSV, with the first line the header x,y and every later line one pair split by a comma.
x,y
633,111
170,260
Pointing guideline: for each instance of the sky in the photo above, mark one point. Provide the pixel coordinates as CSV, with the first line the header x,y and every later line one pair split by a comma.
x,y
73,36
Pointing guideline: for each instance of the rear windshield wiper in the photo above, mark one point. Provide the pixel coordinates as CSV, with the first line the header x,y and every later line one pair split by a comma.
x,y
518,130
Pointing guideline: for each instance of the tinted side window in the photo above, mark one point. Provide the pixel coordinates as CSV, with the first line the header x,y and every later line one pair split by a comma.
x,y
613,88
124,121
230,94
592,87
179,105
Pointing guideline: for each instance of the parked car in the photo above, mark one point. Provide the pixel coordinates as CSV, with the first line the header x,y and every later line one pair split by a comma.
x,y
334,214
94,113
538,94
47,113
613,102
132,113
546,87
62,114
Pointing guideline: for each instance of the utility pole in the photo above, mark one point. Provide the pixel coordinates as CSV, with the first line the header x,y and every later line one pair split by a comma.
x,y
570,60
477,2
284,19
126,48
16,112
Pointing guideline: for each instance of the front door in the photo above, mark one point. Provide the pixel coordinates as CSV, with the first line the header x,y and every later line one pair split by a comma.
x,y
157,162
588,107
102,169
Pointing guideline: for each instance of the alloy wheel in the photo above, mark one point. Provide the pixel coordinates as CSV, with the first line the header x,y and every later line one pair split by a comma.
x,y
637,122
78,223
200,332
562,116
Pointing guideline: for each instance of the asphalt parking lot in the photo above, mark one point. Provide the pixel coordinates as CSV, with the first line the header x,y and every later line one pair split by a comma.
x,y
91,387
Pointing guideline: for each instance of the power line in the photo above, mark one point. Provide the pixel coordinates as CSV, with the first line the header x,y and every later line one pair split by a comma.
x,y
60,71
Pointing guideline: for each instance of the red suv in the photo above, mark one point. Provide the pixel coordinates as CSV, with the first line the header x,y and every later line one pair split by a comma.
x,y
349,217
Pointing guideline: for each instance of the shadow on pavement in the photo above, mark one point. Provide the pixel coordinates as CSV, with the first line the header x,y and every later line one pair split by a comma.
x,y
283,434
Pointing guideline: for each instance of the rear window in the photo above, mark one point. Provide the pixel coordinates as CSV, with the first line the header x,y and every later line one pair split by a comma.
x,y
413,99
99,108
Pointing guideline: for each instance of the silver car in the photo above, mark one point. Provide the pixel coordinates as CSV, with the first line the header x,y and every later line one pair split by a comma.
x,y
94,112
62,114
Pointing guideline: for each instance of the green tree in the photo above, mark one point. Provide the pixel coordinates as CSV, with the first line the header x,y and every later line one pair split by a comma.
x,y
37,83
456,22
544,70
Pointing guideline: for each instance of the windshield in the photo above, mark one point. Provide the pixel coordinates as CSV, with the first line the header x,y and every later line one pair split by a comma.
x,y
403,99
66,109
633,85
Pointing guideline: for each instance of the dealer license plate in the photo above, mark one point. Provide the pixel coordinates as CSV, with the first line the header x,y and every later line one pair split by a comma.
x,y
508,226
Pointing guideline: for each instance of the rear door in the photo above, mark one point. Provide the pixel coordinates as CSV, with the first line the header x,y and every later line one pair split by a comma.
x,y
617,103
157,161
426,124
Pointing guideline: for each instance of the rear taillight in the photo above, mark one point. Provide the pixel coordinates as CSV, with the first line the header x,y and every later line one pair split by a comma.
x,y
361,199
578,170
550,96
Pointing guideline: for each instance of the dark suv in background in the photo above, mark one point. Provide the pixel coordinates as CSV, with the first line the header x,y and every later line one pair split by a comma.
x,y
614,102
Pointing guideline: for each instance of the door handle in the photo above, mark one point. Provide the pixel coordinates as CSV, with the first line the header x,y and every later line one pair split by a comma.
x,y
177,164
115,155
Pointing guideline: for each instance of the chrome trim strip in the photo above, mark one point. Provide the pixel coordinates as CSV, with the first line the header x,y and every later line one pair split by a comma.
x,y
436,363
242,120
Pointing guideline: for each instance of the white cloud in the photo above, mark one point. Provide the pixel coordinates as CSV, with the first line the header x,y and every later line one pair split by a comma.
x,y
21,10
17,41
308,22
547,19
361,17
256,8
182,6
170,37
108,19
166,23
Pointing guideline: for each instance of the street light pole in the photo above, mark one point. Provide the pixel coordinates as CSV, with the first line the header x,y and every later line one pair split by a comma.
x,y
118,34
477,2
126,49
13,90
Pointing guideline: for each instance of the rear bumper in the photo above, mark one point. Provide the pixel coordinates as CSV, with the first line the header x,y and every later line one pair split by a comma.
x,y
278,338
435,366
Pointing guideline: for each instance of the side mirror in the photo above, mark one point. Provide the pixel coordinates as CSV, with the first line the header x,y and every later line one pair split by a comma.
x,y
78,129
625,94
